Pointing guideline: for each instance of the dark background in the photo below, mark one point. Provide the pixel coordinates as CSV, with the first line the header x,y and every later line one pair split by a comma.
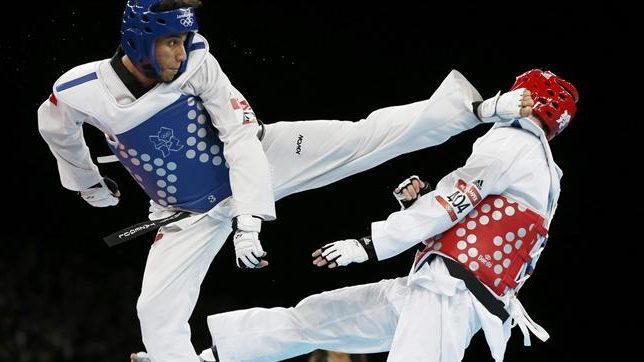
x,y
66,296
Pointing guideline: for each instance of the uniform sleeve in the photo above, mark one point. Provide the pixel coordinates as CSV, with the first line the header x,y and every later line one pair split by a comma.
x,y
454,197
62,128
231,114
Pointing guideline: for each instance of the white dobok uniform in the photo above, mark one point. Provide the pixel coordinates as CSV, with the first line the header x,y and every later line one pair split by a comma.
x,y
428,315
294,156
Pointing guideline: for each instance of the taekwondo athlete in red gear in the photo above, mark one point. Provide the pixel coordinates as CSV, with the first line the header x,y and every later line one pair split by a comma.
x,y
484,227
192,142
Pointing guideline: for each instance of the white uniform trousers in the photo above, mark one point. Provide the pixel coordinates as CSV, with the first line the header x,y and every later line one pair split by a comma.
x,y
328,151
411,321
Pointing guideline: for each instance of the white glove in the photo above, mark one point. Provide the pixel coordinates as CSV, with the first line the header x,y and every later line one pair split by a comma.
x,y
248,250
103,194
409,191
502,107
344,252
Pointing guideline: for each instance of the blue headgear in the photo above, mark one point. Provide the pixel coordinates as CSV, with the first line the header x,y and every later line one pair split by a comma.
x,y
142,26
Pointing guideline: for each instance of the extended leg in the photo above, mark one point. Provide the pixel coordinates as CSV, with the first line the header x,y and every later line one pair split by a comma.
x,y
310,154
359,319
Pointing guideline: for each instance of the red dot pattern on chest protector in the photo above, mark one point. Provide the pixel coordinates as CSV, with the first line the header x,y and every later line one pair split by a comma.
x,y
493,241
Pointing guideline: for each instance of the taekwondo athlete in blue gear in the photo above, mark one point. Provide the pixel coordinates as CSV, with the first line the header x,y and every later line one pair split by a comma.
x,y
178,125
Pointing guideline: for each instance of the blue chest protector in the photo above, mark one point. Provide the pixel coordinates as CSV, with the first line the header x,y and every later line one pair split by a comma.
x,y
177,158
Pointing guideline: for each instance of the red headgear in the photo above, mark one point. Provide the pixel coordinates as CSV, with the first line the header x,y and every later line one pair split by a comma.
x,y
554,98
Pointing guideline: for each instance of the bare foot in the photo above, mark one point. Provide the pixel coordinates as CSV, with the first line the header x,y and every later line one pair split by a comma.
x,y
526,104
506,107
139,357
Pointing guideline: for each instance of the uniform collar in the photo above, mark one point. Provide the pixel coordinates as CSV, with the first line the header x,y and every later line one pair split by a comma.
x,y
128,79
525,124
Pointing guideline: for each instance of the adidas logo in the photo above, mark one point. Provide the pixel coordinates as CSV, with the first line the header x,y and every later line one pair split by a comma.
x,y
478,183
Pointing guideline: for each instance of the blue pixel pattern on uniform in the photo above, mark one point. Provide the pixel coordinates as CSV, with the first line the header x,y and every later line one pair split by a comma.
x,y
177,157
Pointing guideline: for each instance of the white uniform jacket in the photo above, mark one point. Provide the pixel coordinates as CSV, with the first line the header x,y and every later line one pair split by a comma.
x,y
509,160
113,109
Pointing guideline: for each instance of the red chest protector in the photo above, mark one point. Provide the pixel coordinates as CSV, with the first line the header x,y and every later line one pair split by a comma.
x,y
493,241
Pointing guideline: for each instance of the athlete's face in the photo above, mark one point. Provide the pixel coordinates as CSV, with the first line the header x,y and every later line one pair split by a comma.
x,y
170,53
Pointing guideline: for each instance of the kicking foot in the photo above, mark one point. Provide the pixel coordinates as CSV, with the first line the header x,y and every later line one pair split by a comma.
x,y
505,107
139,357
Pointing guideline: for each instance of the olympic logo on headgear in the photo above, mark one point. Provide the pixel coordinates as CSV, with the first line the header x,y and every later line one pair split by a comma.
x,y
186,17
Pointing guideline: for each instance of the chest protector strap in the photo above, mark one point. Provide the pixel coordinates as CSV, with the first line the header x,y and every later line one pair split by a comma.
x,y
493,242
